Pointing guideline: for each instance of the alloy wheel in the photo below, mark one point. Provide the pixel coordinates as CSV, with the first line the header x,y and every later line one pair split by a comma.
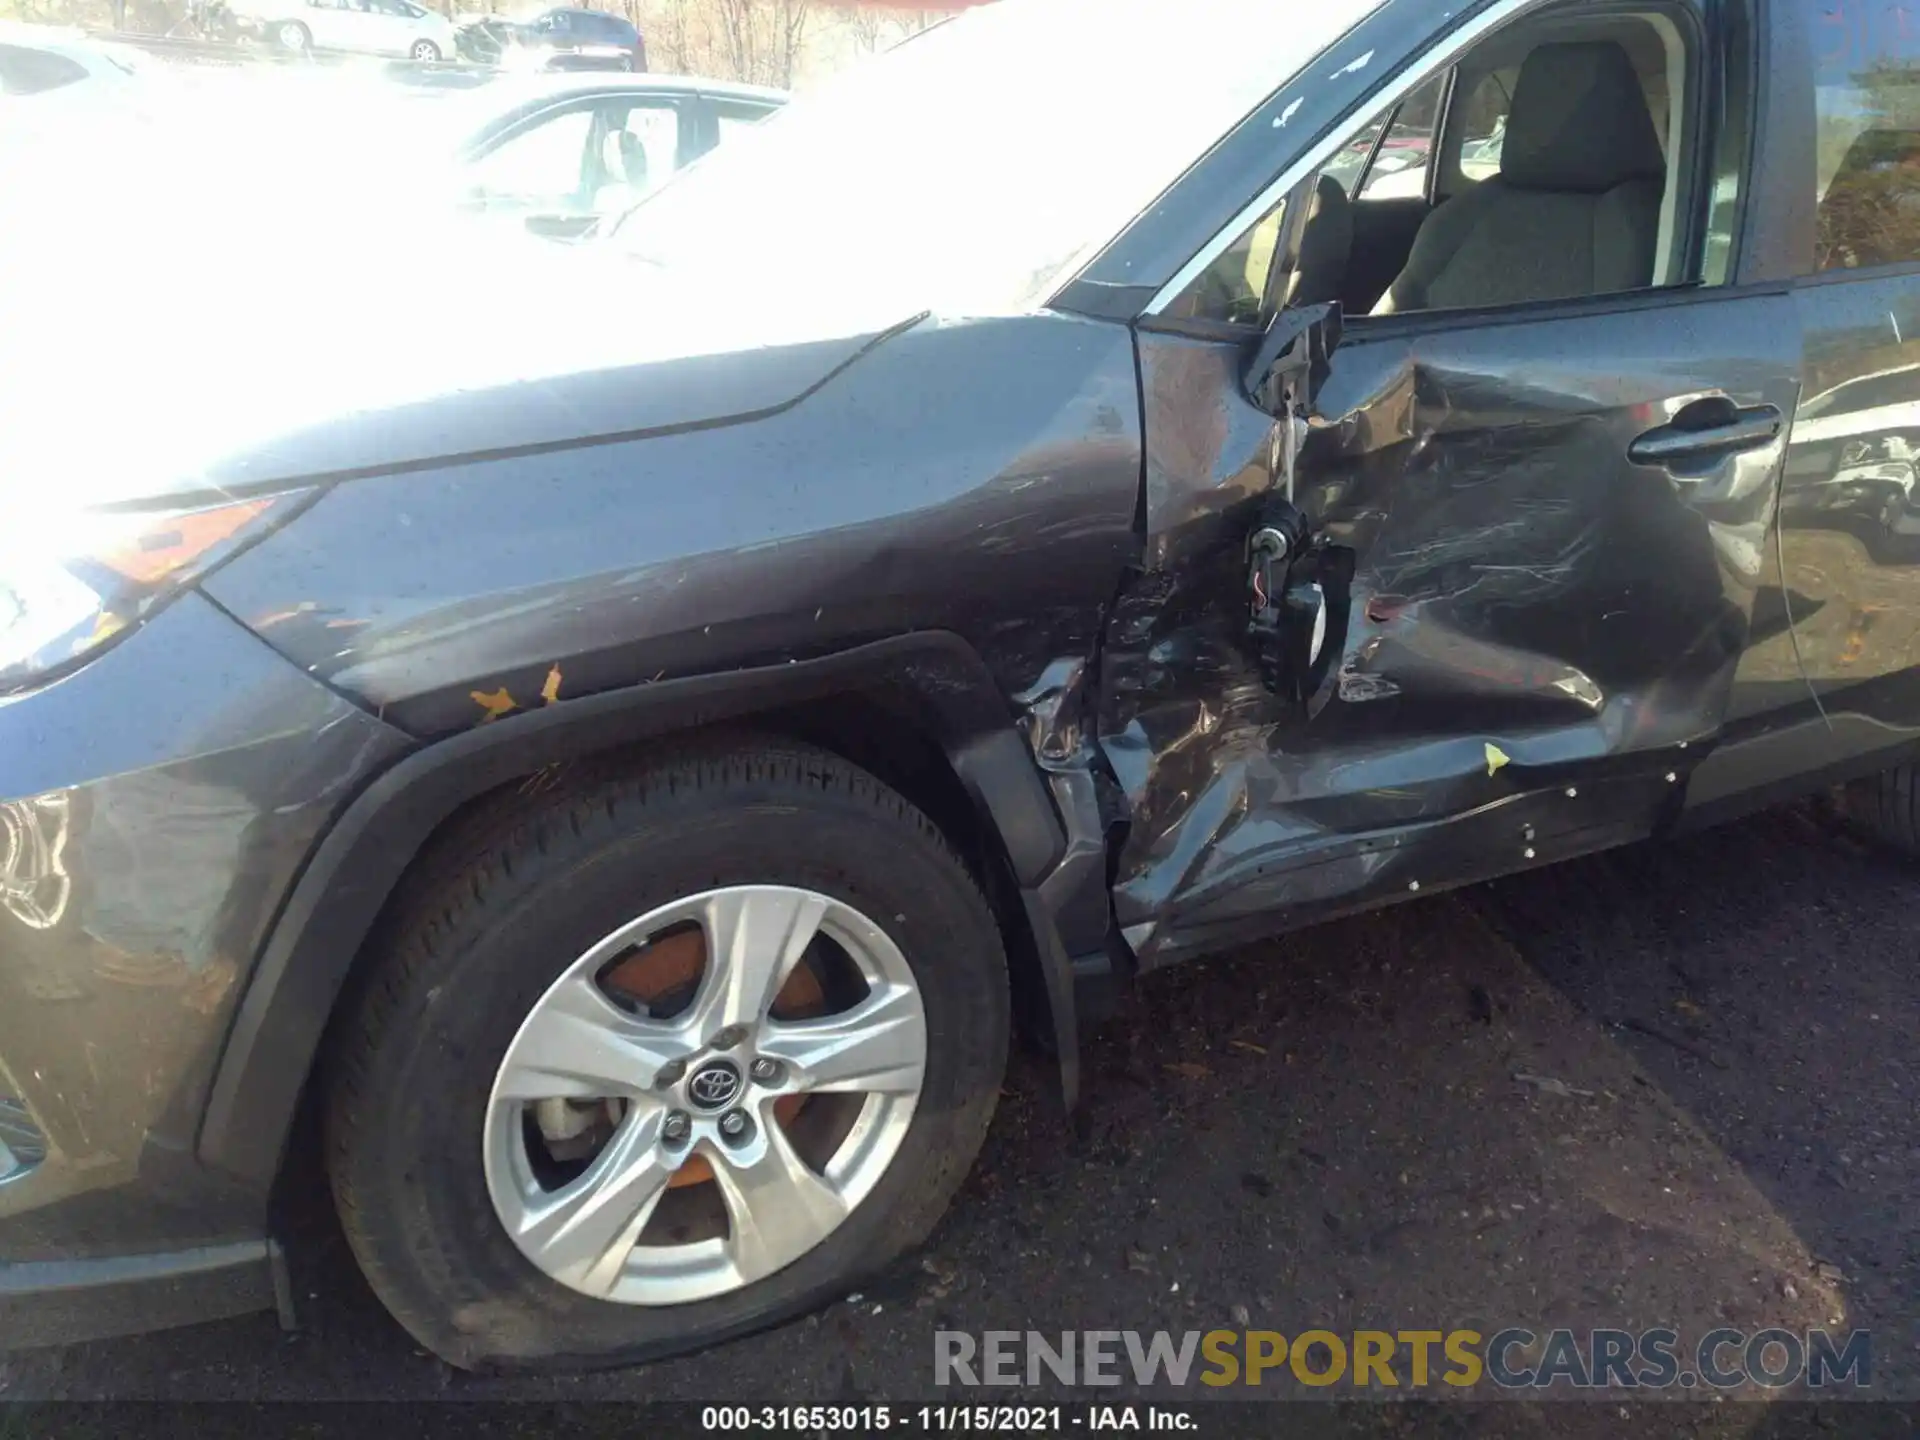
x,y
705,1095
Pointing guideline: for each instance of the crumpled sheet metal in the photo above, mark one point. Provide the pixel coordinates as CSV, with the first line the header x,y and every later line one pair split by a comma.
x,y
1516,583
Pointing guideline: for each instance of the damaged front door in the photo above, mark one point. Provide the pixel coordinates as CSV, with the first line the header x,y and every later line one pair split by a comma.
x,y
1554,526
1522,533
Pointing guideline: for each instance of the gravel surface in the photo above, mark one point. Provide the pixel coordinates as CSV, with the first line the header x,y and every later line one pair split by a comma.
x,y
1327,1131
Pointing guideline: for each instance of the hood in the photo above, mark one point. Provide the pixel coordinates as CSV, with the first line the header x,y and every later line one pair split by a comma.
x,y
241,357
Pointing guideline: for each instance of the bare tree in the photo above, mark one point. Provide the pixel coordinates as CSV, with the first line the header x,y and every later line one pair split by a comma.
x,y
792,16
869,25
760,41
677,34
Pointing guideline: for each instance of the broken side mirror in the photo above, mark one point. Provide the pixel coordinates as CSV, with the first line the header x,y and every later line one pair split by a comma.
x,y
1298,585
1291,360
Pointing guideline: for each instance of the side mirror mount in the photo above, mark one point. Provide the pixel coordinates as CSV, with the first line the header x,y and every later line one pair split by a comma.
x,y
1298,585
1292,359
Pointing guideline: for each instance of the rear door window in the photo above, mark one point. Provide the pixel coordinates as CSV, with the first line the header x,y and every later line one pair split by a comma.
x,y
1400,164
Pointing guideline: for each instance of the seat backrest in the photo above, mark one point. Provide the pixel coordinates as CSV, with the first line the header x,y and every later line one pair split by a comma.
x,y
633,161
1326,245
1575,209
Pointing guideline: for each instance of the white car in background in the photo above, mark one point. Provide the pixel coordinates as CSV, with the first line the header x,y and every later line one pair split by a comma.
x,y
38,60
367,27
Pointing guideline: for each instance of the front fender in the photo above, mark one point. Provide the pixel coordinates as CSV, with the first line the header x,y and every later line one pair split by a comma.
x,y
306,960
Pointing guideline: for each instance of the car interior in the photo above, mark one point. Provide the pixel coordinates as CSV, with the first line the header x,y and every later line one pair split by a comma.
x,y
1549,163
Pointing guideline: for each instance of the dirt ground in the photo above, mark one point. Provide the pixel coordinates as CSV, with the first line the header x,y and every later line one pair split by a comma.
x,y
1720,1128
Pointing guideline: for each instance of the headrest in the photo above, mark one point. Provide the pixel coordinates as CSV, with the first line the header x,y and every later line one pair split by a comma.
x,y
633,158
1579,122
1326,247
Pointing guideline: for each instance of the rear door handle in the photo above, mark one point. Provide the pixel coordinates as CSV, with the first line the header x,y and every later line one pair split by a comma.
x,y
1714,426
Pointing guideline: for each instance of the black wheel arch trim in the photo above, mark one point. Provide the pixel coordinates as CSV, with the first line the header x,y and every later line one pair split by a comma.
x,y
304,964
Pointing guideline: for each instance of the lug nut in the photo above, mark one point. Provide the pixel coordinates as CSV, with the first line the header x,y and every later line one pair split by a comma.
x,y
766,1072
676,1128
735,1126
729,1037
670,1073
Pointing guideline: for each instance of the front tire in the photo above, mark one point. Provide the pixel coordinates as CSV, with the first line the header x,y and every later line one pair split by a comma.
x,y
424,51
1888,805
294,38
510,1060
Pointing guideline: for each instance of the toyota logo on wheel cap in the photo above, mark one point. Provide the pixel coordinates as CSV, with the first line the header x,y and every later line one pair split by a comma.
x,y
715,1086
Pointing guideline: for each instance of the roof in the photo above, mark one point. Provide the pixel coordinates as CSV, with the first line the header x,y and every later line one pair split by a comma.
x,y
557,84
470,115
569,82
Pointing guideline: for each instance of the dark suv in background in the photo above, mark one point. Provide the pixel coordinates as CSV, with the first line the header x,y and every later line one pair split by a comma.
x,y
562,38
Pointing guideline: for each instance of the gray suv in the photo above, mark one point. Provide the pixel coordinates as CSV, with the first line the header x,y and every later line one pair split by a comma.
x,y
631,756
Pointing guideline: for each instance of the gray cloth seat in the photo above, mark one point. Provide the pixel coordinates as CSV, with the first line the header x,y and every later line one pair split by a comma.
x,y
1326,245
1575,209
633,160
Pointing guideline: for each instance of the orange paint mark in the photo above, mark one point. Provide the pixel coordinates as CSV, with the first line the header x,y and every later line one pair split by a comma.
x,y
496,704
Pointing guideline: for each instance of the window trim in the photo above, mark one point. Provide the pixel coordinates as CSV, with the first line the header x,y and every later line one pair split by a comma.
x,y
546,115
1373,151
1443,112
1702,52
1442,55
1116,279
1816,278
1368,329
543,111
1776,240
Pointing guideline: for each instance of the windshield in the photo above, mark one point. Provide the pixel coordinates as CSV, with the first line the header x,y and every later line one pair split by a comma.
x,y
974,168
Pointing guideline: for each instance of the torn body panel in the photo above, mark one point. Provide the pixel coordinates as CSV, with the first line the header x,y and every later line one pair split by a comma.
x,y
1518,581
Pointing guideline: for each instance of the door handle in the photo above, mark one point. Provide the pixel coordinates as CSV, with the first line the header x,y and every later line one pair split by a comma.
x,y
1714,426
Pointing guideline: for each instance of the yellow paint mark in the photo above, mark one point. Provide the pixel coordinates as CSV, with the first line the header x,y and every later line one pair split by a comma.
x,y
105,625
1497,759
550,691
496,704
1860,623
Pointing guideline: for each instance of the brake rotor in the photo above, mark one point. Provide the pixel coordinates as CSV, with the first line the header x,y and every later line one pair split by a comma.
x,y
671,967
